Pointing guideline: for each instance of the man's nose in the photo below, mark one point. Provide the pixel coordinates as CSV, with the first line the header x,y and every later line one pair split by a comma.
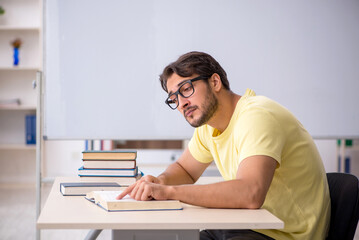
x,y
182,102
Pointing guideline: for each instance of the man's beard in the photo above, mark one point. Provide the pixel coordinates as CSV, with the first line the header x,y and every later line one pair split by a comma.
x,y
209,107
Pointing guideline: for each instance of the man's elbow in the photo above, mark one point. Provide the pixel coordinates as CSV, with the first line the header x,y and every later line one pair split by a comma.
x,y
255,204
256,200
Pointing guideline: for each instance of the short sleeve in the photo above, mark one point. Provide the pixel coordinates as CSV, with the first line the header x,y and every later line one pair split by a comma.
x,y
260,134
198,146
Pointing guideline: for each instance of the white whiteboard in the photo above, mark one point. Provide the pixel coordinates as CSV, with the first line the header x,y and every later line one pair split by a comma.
x,y
103,57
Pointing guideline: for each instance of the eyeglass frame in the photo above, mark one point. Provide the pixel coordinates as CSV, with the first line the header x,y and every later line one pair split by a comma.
x,y
178,90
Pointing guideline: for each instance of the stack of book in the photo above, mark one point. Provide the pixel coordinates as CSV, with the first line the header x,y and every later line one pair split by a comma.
x,y
110,166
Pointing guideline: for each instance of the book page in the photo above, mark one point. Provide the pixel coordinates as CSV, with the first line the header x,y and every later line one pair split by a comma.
x,y
111,196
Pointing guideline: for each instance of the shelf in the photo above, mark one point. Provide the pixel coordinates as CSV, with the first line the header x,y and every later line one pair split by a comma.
x,y
19,68
19,28
18,108
17,147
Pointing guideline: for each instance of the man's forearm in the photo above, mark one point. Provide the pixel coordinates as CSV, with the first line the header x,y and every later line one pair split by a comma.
x,y
175,174
228,194
248,190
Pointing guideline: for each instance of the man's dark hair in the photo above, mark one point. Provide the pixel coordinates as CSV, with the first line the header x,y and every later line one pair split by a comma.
x,y
191,63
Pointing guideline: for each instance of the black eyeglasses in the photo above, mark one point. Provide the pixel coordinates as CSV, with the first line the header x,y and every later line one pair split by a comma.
x,y
185,90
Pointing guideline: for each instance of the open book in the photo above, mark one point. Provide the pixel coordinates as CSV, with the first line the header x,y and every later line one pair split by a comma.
x,y
107,200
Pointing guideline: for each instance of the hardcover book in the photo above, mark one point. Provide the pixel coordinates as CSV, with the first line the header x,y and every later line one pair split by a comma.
x,y
30,129
109,163
108,172
81,188
114,154
123,181
107,200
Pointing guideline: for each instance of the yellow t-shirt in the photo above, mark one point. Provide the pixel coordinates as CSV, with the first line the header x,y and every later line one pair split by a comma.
x,y
299,193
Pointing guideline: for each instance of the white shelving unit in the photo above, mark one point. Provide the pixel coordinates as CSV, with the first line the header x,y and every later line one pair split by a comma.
x,y
23,20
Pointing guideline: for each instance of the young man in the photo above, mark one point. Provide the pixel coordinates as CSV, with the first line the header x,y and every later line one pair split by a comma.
x,y
266,157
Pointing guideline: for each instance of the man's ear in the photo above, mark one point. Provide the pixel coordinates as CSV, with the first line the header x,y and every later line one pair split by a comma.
x,y
215,82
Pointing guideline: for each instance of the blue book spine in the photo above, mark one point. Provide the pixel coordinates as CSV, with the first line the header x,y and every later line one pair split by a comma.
x,y
33,128
86,145
30,129
347,165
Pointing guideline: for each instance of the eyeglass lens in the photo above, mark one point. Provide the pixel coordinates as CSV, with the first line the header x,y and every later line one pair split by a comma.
x,y
186,90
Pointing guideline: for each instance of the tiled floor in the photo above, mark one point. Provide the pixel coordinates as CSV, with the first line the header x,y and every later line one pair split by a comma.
x,y
17,216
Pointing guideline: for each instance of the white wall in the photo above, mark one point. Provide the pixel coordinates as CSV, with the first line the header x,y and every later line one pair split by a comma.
x,y
309,50
62,158
328,152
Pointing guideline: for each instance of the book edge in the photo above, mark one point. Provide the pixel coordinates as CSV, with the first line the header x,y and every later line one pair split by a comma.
x,y
110,169
110,151
131,210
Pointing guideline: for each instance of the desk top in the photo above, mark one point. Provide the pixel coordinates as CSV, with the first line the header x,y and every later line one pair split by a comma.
x,y
75,212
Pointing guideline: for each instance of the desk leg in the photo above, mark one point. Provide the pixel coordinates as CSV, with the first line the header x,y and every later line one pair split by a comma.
x,y
93,234
155,234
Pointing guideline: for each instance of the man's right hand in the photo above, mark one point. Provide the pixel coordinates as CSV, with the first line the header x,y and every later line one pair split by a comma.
x,y
133,189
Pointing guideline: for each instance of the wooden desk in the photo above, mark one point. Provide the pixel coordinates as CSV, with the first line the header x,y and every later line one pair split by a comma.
x,y
75,212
